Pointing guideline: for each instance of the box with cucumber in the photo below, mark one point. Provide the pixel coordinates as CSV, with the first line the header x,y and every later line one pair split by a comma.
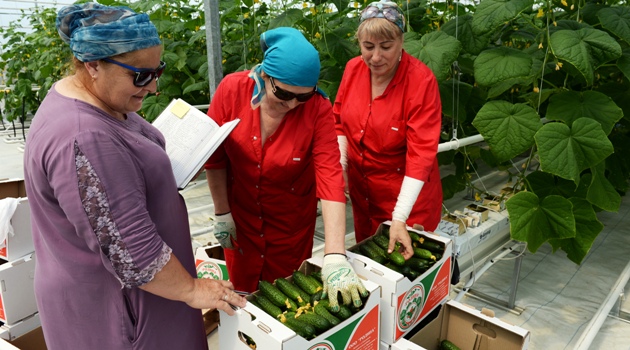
x,y
459,326
291,314
411,289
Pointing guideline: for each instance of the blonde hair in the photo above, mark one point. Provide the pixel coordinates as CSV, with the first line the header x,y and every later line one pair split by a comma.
x,y
379,28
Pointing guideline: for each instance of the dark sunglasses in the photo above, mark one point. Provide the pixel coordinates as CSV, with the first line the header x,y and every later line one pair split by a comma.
x,y
144,76
285,95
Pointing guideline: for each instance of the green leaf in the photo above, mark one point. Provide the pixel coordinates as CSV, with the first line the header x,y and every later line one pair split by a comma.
x,y
451,184
199,86
492,14
586,49
565,151
461,29
571,105
536,222
616,20
623,63
545,184
437,50
455,95
508,128
587,227
286,19
601,193
503,63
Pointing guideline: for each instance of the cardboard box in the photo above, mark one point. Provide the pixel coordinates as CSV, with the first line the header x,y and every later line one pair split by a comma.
x,y
24,335
210,263
12,188
20,243
361,331
494,203
467,328
33,340
465,243
17,294
474,208
404,303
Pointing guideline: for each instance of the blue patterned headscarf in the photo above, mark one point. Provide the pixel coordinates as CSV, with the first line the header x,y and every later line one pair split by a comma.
x,y
288,57
384,9
96,31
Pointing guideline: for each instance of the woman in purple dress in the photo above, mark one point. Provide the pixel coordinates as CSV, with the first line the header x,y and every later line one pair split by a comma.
x,y
115,266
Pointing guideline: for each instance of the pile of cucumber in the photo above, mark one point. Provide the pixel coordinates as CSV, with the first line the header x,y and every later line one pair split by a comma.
x,y
297,303
425,253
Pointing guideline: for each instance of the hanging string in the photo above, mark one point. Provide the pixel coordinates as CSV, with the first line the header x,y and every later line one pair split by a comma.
x,y
243,38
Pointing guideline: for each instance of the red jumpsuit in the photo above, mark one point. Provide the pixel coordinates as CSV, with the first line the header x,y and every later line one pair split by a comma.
x,y
273,190
394,136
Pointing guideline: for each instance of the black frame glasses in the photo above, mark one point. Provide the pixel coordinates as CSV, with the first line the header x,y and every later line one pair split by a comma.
x,y
144,76
285,95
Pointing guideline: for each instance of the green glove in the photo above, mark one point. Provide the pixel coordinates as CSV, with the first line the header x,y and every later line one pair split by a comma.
x,y
338,276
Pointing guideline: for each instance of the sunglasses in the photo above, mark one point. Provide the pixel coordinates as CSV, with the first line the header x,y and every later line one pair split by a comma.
x,y
285,95
144,76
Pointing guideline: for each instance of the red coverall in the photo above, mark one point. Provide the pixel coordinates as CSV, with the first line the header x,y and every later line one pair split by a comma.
x,y
394,136
273,190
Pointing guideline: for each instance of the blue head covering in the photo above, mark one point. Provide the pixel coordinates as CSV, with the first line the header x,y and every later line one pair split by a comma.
x,y
288,57
384,9
95,31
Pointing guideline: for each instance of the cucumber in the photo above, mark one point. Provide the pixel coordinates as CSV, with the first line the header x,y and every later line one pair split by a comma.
x,y
316,297
292,291
317,275
385,231
447,345
276,296
415,237
382,252
418,264
305,283
267,306
320,323
381,241
344,312
302,328
372,253
317,279
321,310
423,253
432,246
397,258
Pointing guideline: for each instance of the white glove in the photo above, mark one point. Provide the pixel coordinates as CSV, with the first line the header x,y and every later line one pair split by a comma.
x,y
338,276
225,230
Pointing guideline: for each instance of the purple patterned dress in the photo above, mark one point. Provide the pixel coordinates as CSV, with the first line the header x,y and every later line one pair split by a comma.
x,y
106,215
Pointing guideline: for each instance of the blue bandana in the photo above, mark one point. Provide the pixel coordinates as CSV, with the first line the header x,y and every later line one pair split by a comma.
x,y
288,57
384,9
95,31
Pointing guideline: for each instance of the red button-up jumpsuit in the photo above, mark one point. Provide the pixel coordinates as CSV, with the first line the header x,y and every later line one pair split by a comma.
x,y
273,189
393,136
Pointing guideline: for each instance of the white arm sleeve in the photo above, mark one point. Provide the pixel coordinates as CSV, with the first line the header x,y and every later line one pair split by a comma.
x,y
409,192
343,149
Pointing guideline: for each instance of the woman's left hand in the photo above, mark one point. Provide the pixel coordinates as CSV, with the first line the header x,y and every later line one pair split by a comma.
x,y
398,233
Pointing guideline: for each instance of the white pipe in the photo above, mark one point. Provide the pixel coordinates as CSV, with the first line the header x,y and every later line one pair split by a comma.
x,y
455,144
591,330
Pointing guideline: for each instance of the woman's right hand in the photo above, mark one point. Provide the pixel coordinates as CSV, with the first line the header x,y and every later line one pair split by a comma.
x,y
215,294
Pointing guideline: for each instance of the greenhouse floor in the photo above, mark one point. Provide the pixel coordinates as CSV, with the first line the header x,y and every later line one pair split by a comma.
x,y
555,298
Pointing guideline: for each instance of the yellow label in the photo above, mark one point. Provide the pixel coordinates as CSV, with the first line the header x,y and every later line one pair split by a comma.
x,y
180,108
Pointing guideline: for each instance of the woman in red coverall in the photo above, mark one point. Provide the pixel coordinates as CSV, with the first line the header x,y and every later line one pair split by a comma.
x,y
388,115
267,175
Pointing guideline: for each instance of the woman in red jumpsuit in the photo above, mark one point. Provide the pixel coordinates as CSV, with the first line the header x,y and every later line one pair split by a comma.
x,y
267,175
388,115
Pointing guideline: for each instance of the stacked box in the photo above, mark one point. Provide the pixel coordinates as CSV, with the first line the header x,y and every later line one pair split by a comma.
x,y
21,242
360,331
467,328
404,303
